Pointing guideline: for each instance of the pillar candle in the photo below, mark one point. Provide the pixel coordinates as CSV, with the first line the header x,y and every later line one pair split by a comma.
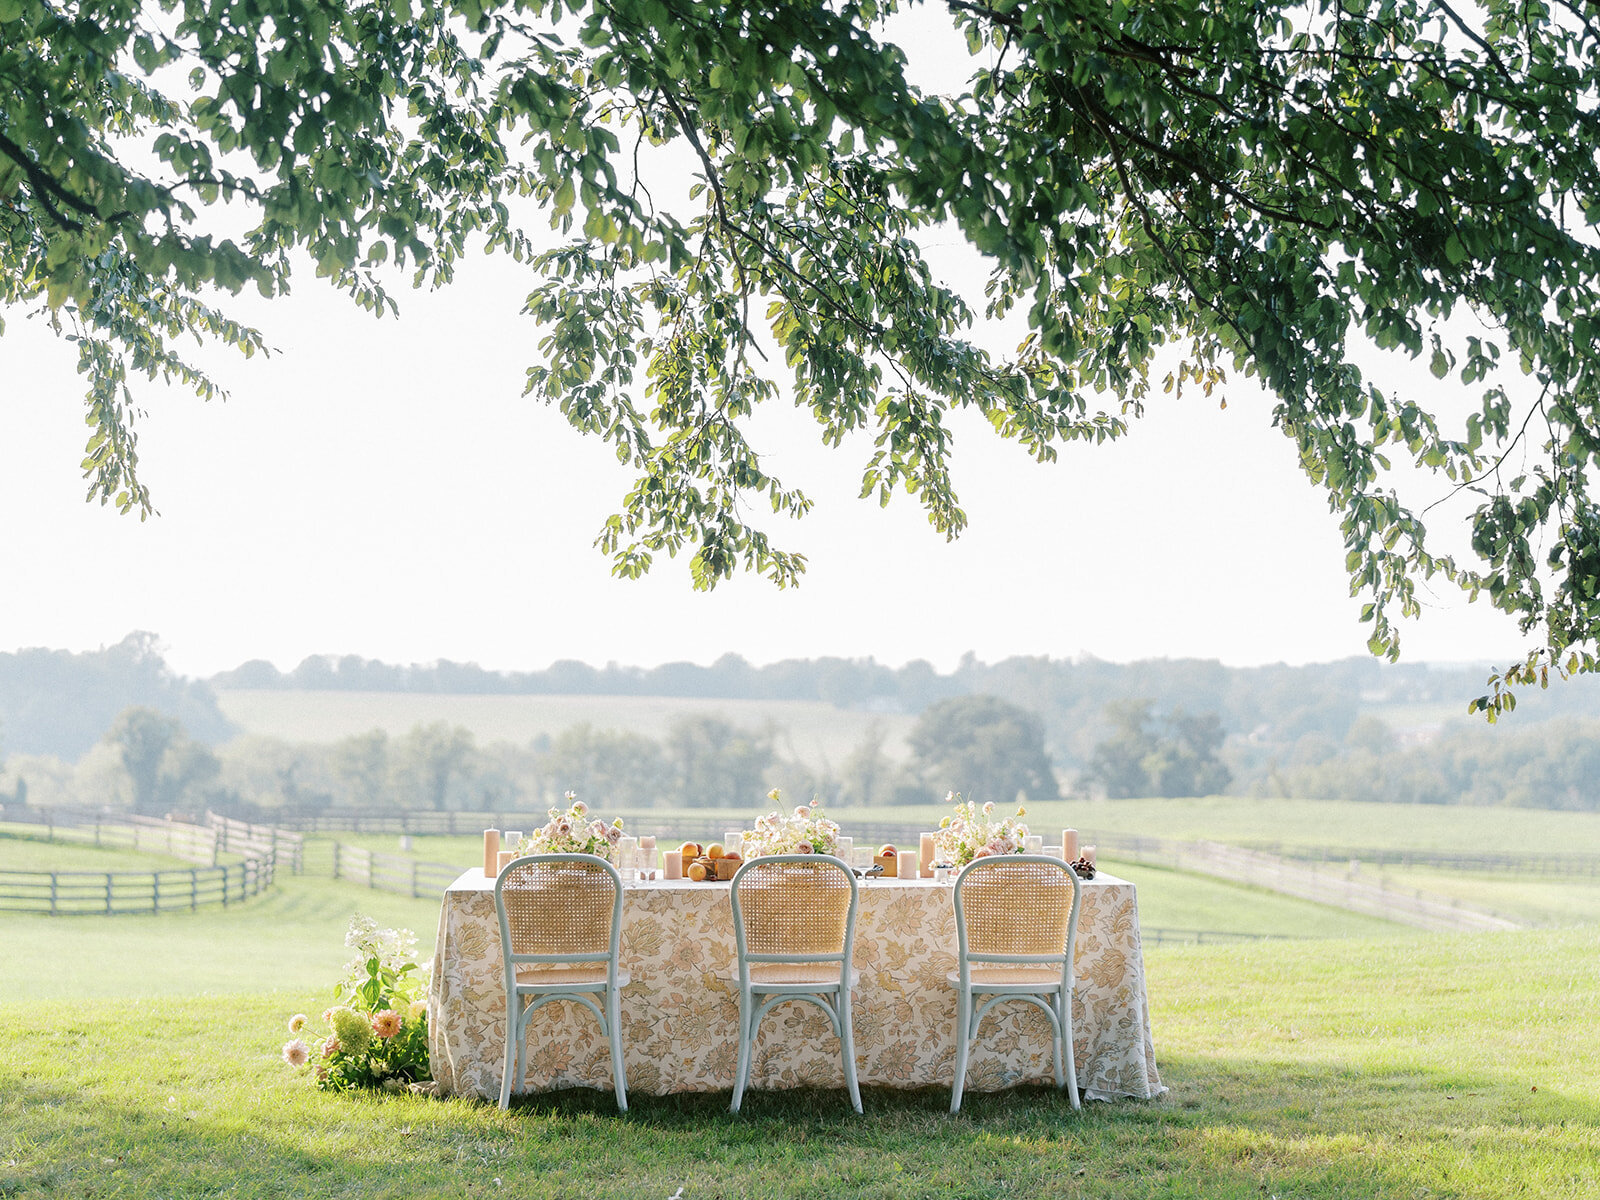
x,y
1088,852
673,861
491,849
908,865
507,857
1069,844
925,856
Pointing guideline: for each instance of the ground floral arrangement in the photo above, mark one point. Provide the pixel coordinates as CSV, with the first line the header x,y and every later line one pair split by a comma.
x,y
377,1033
971,832
807,830
574,831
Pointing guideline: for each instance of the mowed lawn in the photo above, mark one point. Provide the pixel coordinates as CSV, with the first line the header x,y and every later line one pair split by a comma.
x,y
1421,1066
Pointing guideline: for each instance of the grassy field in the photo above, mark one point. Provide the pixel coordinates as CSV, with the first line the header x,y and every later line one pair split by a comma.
x,y
292,938
1538,901
1389,1070
27,854
1312,823
809,731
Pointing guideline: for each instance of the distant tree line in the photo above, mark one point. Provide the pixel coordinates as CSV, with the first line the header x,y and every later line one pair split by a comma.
x,y
59,703
147,763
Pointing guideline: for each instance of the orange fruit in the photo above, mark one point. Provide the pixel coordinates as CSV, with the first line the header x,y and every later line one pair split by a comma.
x,y
690,850
714,850
887,852
697,872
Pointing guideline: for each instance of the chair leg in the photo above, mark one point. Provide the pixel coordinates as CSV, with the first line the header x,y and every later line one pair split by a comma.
x,y
963,1019
619,1071
1072,1063
747,1039
847,1041
522,1046
513,1052
1055,1044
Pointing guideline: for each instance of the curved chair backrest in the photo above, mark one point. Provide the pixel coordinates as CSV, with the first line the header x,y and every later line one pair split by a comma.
x,y
1017,908
794,908
559,908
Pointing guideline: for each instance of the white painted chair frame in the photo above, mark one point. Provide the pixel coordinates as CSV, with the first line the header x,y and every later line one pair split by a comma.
x,y
833,999
524,999
1053,998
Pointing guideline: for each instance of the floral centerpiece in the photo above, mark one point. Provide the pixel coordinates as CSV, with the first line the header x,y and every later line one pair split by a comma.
x,y
972,832
377,1032
806,830
574,831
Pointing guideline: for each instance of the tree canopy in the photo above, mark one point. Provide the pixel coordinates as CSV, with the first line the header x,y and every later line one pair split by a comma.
x,y
1172,193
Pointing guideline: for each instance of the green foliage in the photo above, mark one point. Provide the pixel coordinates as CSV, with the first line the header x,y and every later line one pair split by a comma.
x,y
378,1031
986,747
166,768
1555,765
1261,188
1146,755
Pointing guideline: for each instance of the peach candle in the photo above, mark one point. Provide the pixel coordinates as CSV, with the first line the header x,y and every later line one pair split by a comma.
x,y
925,856
505,860
491,851
1069,844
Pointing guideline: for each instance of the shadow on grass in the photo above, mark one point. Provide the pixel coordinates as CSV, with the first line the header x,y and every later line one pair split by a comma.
x,y
1230,1128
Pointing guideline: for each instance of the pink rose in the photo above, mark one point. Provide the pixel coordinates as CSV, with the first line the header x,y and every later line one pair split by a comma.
x,y
579,807
803,848
982,852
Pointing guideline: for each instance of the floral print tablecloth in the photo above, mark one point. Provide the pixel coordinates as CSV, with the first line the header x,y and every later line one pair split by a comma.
x,y
680,1012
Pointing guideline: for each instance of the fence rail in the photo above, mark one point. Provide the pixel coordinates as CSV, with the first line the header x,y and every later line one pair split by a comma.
x,y
392,872
244,838
1567,866
1421,909
68,893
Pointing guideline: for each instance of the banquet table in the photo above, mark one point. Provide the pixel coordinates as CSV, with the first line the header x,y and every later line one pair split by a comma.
x,y
680,1012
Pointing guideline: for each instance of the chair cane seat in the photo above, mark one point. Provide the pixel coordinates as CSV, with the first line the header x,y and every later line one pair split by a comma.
x,y
555,976
1037,979
799,974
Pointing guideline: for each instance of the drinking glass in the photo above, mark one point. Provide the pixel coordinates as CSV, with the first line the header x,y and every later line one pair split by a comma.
x,y
861,858
650,862
1033,844
628,858
733,842
844,849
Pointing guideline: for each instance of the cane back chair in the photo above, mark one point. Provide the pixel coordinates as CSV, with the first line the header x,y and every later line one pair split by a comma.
x,y
1016,922
560,933
794,920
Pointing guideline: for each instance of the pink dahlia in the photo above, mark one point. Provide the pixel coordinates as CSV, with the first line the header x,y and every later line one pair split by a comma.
x,y
386,1024
296,1053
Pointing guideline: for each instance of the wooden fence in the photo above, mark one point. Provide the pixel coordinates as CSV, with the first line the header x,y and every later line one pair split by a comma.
x,y
65,893
77,893
1337,888
392,872
1563,866
241,837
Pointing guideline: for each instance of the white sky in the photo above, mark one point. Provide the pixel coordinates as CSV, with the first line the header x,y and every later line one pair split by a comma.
x,y
382,489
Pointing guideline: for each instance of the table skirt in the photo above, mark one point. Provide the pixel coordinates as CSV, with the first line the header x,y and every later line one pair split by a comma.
x,y
680,1012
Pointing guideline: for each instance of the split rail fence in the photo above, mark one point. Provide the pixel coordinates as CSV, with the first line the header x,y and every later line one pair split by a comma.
x,y
67,893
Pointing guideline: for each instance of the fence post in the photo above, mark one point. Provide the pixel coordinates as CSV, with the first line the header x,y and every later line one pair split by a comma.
x,y
194,888
414,865
155,891
108,891
52,893
336,859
